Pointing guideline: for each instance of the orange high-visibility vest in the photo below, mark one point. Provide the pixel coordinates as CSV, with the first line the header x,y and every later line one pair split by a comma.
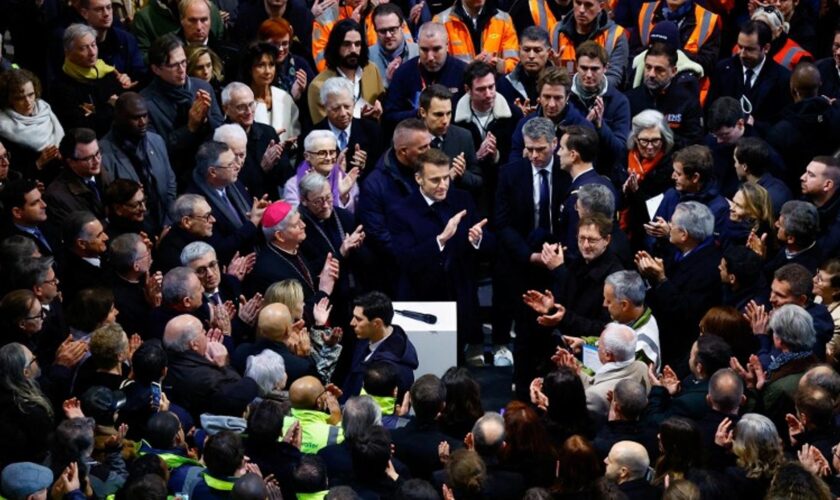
x,y
498,38
565,48
705,22
543,17
322,27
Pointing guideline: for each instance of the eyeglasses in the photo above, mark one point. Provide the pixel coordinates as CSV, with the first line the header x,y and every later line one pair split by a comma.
x,y
245,107
90,159
590,241
324,153
53,281
41,315
322,201
232,164
393,30
179,64
646,143
206,217
203,270
32,361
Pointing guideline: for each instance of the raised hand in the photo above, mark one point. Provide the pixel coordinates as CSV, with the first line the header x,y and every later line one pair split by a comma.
x,y
541,303
272,153
812,459
329,274
658,228
554,319
574,343
241,266
352,241
524,105
552,256
415,13
392,67
321,311
757,244
321,6
359,158
72,408
258,207
199,110
758,317
631,185
670,381
477,232
538,398
795,428
347,182
70,353
724,434
487,147
451,227
249,309
458,166
153,288
300,81
47,155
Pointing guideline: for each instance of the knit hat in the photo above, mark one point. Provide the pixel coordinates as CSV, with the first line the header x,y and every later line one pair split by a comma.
x,y
25,478
276,213
665,32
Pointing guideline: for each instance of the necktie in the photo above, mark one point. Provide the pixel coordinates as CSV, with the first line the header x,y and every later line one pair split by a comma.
x,y
91,184
545,201
342,140
40,236
748,80
229,204
437,142
215,298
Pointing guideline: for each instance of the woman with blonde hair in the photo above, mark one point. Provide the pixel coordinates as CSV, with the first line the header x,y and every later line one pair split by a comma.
x,y
204,64
758,451
750,210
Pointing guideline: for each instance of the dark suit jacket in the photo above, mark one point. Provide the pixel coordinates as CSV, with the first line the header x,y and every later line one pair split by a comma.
x,y
232,232
426,272
568,216
416,445
256,180
458,140
769,94
830,79
168,254
78,274
514,211
68,193
50,232
367,134
692,287
130,300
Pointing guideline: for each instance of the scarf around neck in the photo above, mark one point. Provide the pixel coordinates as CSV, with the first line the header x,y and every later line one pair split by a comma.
x,y
333,179
785,358
586,96
35,132
80,73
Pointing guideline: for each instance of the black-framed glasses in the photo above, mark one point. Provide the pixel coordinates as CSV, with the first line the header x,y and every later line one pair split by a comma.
x,y
645,143
179,64
136,204
324,153
41,315
206,217
89,159
393,30
203,270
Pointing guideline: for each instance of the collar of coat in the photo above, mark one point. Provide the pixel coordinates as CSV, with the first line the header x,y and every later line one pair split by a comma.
x,y
463,111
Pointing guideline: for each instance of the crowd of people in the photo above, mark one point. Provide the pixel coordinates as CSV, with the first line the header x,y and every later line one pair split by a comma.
x,y
208,207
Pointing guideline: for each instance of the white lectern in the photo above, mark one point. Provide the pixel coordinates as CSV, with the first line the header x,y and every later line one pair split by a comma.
x,y
437,344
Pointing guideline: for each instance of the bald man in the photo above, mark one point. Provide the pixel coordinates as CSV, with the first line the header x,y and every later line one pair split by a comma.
x,y
199,384
131,151
809,126
318,412
274,325
627,465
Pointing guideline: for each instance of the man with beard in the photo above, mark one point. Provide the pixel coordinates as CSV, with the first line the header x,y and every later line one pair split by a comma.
x,y
346,54
391,47
680,107
182,109
130,151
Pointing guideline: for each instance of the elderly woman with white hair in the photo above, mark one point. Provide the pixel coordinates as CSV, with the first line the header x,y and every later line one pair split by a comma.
x,y
321,155
783,49
647,170
269,372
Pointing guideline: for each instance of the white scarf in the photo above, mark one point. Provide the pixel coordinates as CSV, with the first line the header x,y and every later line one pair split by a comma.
x,y
35,132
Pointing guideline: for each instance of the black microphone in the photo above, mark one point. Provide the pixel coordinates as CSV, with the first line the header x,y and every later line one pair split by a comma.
x,y
425,318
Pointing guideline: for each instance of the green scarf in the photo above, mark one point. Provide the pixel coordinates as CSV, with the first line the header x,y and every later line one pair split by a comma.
x,y
80,73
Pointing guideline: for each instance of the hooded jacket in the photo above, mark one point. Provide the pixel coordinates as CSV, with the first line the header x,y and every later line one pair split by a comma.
x,y
396,350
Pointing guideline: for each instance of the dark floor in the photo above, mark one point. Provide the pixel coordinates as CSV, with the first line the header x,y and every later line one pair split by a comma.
x,y
495,386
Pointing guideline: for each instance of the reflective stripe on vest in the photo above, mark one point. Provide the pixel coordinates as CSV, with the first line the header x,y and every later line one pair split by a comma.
x,y
646,21
543,17
705,25
217,484
790,54
568,59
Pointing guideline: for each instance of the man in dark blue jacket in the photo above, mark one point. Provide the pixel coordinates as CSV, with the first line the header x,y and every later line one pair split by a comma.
x,y
379,341
554,88
693,181
752,156
433,65
391,181
436,235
